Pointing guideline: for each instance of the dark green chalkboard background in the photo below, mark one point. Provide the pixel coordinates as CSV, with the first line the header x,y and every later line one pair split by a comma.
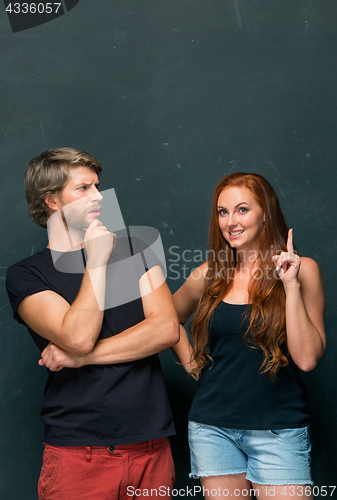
x,y
170,95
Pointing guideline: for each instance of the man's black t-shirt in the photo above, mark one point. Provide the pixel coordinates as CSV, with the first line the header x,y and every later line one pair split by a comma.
x,y
95,405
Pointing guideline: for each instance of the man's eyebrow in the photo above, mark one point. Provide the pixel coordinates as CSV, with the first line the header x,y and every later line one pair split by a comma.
x,y
86,183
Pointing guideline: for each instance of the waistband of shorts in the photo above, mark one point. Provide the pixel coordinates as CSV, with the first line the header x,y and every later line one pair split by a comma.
x,y
97,450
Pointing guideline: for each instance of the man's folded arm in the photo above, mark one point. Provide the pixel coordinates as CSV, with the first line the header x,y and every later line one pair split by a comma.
x,y
75,328
158,331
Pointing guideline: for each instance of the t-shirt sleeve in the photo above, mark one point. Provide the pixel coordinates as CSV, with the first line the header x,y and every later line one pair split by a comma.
x,y
21,282
146,257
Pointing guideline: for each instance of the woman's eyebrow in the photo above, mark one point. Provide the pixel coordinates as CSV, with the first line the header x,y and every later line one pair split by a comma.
x,y
236,206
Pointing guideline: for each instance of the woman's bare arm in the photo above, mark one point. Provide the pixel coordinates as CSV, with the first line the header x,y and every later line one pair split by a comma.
x,y
304,307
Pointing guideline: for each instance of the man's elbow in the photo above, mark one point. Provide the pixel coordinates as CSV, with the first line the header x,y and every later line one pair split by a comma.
x,y
172,332
81,348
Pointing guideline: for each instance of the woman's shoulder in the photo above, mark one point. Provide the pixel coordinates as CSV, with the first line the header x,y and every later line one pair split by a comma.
x,y
196,280
309,270
309,265
200,272
187,297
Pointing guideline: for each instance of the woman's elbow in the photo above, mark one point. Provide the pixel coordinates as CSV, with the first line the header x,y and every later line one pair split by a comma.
x,y
307,366
309,363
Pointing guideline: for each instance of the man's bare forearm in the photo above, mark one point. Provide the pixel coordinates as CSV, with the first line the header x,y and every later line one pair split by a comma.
x,y
82,323
152,335
157,331
76,327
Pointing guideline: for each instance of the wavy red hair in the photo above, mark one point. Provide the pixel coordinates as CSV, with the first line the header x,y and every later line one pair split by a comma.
x,y
266,316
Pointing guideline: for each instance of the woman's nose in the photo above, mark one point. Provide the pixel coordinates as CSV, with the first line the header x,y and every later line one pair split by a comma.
x,y
232,221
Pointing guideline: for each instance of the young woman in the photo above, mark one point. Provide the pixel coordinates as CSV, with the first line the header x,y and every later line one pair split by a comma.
x,y
258,319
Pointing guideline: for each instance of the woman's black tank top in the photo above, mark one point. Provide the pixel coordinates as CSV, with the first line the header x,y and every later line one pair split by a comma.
x,y
233,394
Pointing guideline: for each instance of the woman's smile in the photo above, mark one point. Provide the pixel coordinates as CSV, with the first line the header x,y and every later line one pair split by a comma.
x,y
241,218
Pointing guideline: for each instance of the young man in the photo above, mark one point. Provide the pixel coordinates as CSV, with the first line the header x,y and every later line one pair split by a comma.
x,y
106,411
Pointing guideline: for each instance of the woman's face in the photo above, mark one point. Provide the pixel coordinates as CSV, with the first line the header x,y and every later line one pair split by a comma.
x,y
240,218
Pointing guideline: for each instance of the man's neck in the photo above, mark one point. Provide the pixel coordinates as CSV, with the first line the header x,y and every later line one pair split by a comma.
x,y
62,238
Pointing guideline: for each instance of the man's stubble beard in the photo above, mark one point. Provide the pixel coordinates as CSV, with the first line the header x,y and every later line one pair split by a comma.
x,y
75,219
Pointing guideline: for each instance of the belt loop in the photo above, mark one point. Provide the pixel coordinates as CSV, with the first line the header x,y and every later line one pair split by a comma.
x,y
88,455
150,446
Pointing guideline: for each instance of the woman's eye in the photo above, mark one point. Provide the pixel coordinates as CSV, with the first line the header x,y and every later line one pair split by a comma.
x,y
222,212
242,210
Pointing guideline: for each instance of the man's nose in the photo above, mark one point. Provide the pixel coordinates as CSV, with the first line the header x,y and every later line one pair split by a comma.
x,y
95,195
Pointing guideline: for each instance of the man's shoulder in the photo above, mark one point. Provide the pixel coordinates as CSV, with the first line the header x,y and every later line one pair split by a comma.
x,y
25,277
29,263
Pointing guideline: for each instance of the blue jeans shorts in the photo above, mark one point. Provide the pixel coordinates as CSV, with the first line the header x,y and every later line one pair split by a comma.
x,y
276,457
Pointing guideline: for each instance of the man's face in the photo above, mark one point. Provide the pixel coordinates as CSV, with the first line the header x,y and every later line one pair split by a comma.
x,y
80,199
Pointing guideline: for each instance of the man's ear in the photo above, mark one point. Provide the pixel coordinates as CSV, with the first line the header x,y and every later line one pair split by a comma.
x,y
52,201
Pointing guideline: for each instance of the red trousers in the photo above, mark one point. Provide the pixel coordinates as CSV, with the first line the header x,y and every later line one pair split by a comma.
x,y
133,471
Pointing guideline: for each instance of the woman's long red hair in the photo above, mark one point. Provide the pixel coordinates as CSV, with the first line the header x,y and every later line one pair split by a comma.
x,y
267,325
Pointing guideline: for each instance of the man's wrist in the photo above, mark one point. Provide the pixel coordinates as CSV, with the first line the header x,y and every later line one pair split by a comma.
x,y
96,262
81,361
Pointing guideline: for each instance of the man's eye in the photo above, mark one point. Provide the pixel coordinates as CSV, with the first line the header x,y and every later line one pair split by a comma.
x,y
83,188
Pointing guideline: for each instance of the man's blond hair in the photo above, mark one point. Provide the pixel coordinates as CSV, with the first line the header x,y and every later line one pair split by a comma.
x,y
48,173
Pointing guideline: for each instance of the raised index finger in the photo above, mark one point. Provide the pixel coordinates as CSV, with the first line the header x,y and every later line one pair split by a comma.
x,y
290,245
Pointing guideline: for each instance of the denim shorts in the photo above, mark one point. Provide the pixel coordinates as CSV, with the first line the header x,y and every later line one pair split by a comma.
x,y
276,457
